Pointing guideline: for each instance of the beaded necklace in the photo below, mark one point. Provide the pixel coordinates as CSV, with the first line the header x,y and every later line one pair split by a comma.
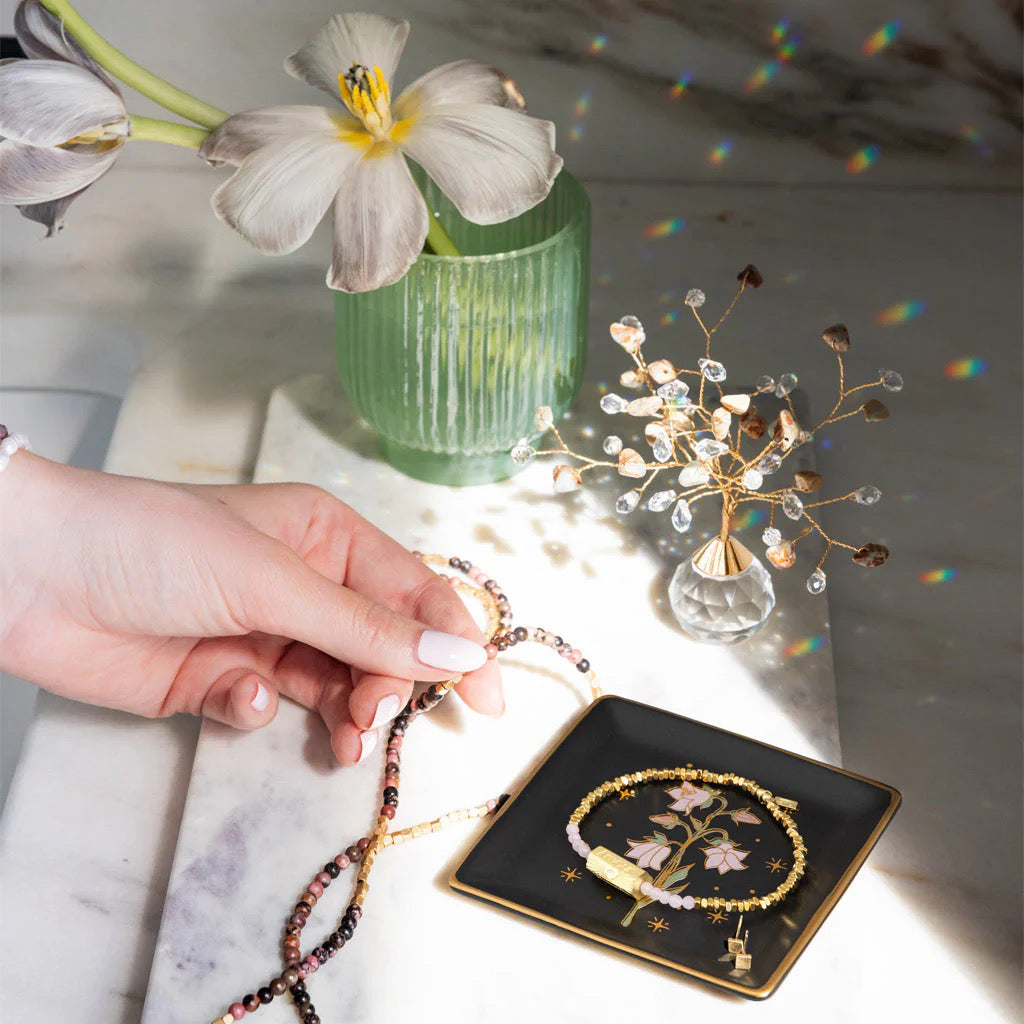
x,y
297,968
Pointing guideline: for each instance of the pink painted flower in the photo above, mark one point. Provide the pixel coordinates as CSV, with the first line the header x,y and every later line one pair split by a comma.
x,y
745,817
725,856
668,820
687,796
648,854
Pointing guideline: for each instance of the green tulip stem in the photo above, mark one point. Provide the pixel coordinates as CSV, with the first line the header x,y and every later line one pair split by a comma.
x,y
153,129
113,60
438,242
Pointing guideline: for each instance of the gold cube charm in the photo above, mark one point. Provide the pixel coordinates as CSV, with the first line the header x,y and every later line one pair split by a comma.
x,y
743,961
734,945
617,871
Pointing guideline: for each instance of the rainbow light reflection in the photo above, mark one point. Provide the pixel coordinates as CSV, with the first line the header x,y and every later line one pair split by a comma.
x,y
787,49
748,518
576,132
583,103
762,76
881,38
862,159
808,645
934,576
681,84
779,30
720,152
669,318
901,312
964,369
598,43
664,228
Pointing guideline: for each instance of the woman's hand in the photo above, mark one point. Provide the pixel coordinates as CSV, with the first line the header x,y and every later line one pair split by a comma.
x,y
157,598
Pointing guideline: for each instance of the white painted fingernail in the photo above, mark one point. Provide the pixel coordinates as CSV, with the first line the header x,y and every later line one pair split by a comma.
x,y
262,698
387,708
367,740
449,652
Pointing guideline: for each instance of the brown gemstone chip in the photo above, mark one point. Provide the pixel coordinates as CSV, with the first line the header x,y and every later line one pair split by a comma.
x,y
750,276
871,555
752,424
837,337
875,411
807,480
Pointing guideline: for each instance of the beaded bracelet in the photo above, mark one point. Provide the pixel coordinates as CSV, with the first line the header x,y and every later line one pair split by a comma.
x,y
9,444
636,882
298,968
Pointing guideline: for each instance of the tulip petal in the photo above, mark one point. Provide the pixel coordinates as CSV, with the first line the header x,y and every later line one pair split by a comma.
x,y
280,193
492,163
51,214
48,102
30,175
42,36
380,223
347,39
463,81
242,134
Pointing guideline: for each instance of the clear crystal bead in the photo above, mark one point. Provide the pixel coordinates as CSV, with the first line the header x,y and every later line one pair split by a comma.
x,y
767,464
752,479
631,321
765,383
792,505
682,516
817,582
662,449
693,474
660,501
867,495
891,380
805,437
712,370
709,449
612,445
522,452
771,537
695,297
786,384
721,609
613,403
675,392
626,503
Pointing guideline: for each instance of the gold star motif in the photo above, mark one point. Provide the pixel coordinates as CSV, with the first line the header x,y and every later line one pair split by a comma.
x,y
627,794
717,917
775,865
658,924
570,874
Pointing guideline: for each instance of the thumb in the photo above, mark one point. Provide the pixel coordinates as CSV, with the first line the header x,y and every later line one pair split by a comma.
x,y
242,699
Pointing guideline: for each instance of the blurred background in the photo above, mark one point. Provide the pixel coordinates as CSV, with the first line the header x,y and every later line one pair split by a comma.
x,y
865,156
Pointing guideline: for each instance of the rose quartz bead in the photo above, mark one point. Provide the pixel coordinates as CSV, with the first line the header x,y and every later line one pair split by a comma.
x,y
237,1010
575,656
342,861
689,903
316,889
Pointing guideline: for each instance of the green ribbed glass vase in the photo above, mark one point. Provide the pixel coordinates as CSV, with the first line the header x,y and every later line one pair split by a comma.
x,y
449,364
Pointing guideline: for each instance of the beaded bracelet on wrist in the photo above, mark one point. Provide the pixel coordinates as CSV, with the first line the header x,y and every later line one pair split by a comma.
x,y
297,968
632,879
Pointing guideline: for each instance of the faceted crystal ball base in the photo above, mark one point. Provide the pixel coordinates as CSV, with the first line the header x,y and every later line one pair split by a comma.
x,y
721,609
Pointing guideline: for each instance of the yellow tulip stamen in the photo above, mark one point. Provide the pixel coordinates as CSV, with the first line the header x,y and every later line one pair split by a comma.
x,y
367,95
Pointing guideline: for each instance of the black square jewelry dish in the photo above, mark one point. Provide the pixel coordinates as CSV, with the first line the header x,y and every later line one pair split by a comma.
x,y
524,862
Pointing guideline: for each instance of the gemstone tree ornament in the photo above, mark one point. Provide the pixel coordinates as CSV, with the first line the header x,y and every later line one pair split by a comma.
x,y
722,592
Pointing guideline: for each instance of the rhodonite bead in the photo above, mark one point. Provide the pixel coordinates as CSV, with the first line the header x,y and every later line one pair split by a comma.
x,y
354,854
299,919
300,998
278,986
332,869
343,861
324,878
346,931
237,1010
355,910
583,665
321,954
316,889
265,995
251,1002
311,1018
389,811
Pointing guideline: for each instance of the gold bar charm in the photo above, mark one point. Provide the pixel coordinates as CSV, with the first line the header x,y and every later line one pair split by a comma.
x,y
789,805
617,871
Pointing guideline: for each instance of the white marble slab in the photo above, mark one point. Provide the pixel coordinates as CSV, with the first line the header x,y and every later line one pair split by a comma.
x,y
255,820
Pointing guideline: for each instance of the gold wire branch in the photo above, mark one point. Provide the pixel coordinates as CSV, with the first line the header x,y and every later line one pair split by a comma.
x,y
683,432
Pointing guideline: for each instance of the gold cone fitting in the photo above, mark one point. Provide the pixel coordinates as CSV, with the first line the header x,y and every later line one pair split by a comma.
x,y
722,557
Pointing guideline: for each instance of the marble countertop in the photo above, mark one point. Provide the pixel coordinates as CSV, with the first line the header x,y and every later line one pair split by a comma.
x,y
919,254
